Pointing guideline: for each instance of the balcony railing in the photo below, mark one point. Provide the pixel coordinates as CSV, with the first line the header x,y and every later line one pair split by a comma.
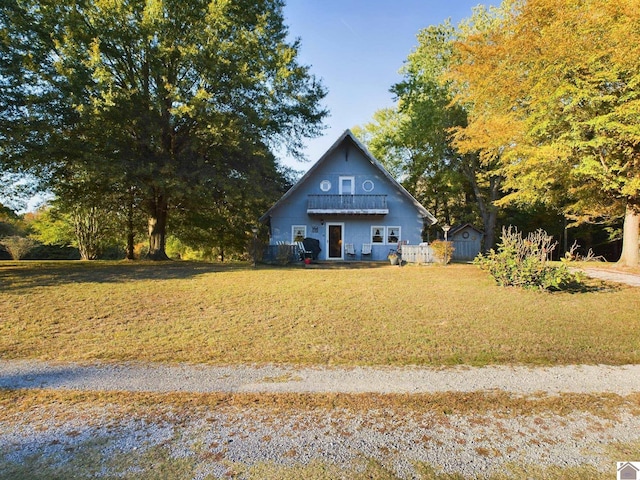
x,y
347,204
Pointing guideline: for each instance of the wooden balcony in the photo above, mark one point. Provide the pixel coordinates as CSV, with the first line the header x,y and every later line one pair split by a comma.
x,y
347,205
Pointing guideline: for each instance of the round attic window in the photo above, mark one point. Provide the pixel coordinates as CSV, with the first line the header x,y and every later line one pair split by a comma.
x,y
367,185
325,185
465,235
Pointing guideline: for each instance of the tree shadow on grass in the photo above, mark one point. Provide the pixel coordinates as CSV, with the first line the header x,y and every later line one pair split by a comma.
x,y
590,285
50,376
325,265
25,275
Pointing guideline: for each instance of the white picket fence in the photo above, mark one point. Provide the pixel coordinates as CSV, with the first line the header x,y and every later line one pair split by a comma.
x,y
417,254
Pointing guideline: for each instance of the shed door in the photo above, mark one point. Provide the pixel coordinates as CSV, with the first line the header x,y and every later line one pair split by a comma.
x,y
334,240
467,245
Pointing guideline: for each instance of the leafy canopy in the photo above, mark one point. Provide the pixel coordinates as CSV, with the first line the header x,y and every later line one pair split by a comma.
x,y
162,104
554,89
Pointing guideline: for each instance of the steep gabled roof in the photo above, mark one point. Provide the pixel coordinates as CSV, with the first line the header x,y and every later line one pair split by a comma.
x,y
349,136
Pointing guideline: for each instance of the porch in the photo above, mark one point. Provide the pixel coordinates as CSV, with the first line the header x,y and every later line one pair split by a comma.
x,y
284,253
347,205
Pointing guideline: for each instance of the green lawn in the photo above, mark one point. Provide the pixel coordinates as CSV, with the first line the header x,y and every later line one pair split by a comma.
x,y
207,313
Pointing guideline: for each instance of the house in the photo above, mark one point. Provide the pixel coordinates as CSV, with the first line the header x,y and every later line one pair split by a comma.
x,y
350,204
627,471
467,241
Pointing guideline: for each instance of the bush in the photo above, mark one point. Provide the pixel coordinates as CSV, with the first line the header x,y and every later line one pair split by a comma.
x,y
140,250
17,246
525,262
113,252
283,255
442,250
53,252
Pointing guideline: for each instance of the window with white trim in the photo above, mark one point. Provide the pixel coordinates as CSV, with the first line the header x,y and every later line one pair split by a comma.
x,y
393,235
298,233
346,186
377,234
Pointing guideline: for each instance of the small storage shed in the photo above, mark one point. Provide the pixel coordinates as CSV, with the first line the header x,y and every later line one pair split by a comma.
x,y
467,241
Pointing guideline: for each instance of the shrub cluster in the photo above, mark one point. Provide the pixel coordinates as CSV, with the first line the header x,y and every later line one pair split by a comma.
x,y
18,246
443,251
524,262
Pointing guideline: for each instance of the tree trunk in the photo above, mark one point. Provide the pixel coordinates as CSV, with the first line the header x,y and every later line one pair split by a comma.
x,y
86,224
130,229
131,247
488,210
490,217
158,228
630,255
490,228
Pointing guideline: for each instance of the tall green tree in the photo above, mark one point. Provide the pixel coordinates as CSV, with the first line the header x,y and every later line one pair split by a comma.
x,y
554,85
163,97
416,139
49,226
228,207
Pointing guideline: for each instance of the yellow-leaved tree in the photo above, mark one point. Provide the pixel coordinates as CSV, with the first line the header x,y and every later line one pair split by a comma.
x,y
552,91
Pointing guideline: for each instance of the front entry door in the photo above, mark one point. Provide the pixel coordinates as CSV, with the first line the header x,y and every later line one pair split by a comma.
x,y
334,240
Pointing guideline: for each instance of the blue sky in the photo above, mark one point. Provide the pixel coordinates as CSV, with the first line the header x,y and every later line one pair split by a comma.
x,y
357,48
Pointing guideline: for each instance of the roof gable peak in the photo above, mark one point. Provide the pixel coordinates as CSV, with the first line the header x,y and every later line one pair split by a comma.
x,y
348,135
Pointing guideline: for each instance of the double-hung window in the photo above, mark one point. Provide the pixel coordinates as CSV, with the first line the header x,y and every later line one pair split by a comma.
x,y
385,235
393,234
377,234
298,233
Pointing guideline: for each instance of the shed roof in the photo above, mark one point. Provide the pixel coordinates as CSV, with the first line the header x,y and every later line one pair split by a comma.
x,y
458,228
349,136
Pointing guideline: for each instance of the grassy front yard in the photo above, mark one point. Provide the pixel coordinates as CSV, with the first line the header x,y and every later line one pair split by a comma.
x,y
383,315
204,313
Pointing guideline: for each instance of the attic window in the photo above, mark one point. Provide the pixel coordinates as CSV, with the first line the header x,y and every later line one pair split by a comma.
x,y
325,185
346,186
367,185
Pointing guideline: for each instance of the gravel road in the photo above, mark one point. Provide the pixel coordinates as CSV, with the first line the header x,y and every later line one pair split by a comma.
x,y
622,380
227,439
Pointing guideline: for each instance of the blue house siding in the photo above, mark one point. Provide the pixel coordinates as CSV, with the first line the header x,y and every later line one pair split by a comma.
x,y
345,194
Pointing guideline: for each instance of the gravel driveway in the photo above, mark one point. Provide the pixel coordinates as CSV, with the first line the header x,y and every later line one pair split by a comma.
x,y
613,276
621,380
467,444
